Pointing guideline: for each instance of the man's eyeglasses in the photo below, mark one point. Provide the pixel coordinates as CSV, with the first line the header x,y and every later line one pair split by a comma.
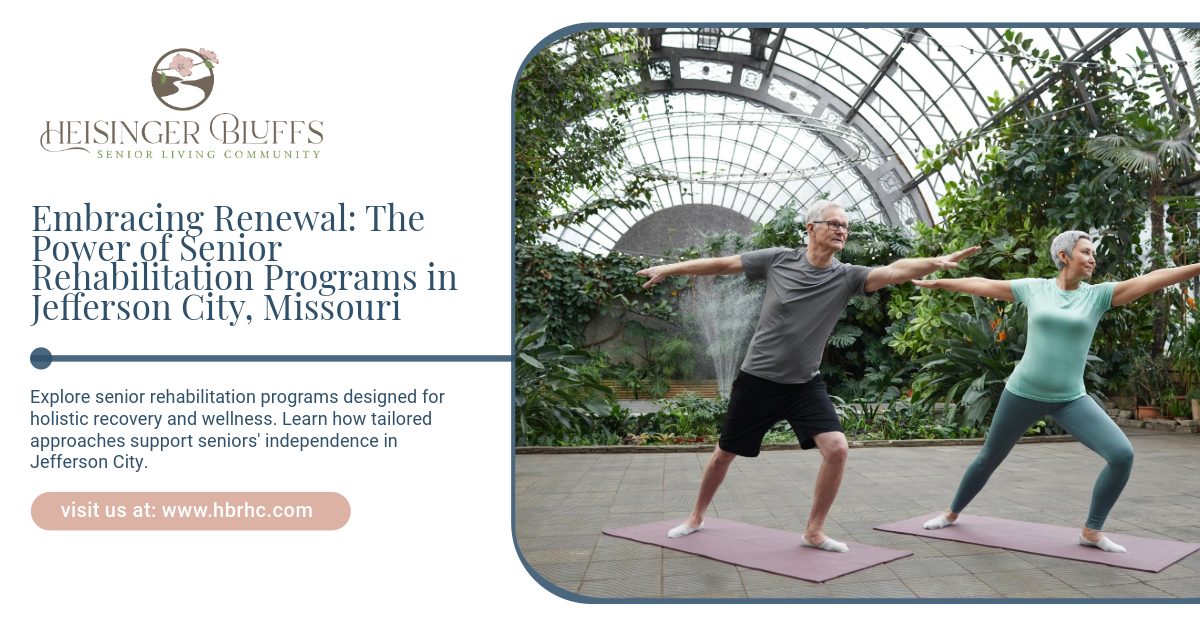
x,y
835,225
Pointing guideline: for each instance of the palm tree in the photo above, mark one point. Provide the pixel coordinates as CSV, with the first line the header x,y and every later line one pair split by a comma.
x,y
1151,147
1192,36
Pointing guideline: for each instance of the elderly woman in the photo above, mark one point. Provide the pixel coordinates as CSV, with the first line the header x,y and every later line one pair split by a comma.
x,y
1063,313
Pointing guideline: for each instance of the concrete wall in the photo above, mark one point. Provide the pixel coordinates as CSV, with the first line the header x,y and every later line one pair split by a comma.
x,y
679,227
676,227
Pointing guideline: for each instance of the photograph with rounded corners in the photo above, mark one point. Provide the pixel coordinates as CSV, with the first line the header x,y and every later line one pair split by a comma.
x,y
849,313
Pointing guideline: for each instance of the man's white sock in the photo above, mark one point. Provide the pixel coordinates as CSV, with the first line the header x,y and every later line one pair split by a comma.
x,y
1104,543
683,529
829,545
939,522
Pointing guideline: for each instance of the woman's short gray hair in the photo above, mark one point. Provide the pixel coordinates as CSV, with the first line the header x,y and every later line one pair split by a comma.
x,y
816,211
1065,242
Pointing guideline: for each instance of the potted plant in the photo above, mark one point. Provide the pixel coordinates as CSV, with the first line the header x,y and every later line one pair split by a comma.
x,y
1185,354
1150,377
1194,396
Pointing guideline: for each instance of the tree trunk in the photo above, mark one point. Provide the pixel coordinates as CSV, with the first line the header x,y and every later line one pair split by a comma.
x,y
1157,256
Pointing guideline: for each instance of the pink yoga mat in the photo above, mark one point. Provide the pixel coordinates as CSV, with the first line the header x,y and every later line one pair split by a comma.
x,y
761,548
1151,555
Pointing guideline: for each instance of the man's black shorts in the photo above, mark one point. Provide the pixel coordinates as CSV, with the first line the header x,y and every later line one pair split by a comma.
x,y
757,404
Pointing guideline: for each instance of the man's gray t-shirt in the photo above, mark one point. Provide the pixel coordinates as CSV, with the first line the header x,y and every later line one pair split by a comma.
x,y
800,310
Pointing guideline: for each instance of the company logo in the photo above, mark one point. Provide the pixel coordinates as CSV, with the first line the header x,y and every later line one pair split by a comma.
x,y
183,78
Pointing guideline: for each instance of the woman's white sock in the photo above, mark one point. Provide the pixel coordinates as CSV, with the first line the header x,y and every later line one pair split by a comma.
x,y
829,545
683,529
939,522
1104,543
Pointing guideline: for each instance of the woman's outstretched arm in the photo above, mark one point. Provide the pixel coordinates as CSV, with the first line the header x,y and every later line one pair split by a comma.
x,y
1138,287
989,288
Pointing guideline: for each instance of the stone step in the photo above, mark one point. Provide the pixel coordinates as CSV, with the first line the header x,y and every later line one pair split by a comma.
x,y
1167,425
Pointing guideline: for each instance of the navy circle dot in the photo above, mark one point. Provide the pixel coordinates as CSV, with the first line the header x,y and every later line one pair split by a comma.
x,y
41,358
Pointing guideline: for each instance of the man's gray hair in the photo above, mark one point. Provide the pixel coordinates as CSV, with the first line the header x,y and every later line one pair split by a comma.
x,y
1065,242
816,211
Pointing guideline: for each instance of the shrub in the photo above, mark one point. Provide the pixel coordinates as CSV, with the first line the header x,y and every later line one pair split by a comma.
x,y
898,420
1150,377
554,399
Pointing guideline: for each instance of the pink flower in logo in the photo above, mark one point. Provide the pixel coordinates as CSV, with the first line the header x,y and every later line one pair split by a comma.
x,y
182,64
210,55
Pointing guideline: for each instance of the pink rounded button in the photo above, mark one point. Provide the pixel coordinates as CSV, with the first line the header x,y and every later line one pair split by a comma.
x,y
190,511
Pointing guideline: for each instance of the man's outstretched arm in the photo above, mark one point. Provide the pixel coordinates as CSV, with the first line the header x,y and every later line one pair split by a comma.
x,y
709,266
903,270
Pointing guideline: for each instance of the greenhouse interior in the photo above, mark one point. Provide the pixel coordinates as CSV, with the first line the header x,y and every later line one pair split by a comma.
x,y
673,143
655,167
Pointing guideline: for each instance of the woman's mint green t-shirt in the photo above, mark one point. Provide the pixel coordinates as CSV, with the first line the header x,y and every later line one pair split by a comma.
x,y
1061,325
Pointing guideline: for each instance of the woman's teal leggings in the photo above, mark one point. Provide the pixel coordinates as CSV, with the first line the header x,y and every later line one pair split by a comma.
x,y
1082,418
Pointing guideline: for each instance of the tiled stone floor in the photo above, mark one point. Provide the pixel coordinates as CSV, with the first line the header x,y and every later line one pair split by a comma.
x,y
564,501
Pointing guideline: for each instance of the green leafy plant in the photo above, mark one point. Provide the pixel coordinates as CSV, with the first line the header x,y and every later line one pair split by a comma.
x,y
570,106
1185,354
899,420
687,418
1028,180
552,397
1153,147
970,370
691,416
880,384
1178,408
1151,379
1192,36
780,436
589,440
857,417
651,358
1036,428
572,288
703,411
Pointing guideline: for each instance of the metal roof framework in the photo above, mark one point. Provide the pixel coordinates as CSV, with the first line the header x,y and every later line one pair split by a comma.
x,y
903,90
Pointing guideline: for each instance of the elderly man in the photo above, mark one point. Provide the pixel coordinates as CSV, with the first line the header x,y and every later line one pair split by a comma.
x,y
807,289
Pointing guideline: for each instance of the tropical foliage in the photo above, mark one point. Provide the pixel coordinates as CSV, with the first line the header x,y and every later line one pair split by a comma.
x,y
570,105
898,420
651,358
1152,148
1035,178
1151,378
1185,354
570,288
552,397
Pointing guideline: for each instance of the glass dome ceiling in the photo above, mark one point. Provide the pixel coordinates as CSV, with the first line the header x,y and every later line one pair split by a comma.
x,y
900,90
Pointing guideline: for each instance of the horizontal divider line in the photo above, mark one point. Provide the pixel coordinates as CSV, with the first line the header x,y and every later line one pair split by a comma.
x,y
283,358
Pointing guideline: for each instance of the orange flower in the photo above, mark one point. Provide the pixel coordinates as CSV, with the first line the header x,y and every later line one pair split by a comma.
x,y
1002,336
968,340
1192,302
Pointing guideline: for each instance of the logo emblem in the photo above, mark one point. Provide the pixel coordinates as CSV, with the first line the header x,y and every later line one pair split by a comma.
x,y
183,78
